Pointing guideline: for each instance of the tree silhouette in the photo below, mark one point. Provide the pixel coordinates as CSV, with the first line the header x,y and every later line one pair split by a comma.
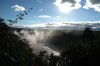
x,y
19,17
1,19
88,34
13,51
3,26
83,53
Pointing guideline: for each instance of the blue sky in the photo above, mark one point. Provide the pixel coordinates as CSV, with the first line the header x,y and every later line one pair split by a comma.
x,y
45,11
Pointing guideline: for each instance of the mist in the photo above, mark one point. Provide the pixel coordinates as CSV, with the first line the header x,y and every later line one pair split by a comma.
x,y
39,40
52,41
52,37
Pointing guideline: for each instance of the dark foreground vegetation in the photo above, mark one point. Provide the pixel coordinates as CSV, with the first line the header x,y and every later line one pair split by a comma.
x,y
81,49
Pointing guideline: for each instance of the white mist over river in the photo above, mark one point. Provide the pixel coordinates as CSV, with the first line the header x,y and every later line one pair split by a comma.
x,y
38,40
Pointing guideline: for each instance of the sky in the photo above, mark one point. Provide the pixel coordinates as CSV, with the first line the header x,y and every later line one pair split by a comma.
x,y
48,11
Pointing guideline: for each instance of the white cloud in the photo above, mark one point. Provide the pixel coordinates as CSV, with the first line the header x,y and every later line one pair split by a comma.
x,y
67,5
48,17
58,16
18,8
44,16
40,10
64,25
92,4
85,7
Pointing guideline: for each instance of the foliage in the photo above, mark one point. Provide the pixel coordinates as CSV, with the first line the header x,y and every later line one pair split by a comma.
x,y
13,51
81,49
85,52
19,17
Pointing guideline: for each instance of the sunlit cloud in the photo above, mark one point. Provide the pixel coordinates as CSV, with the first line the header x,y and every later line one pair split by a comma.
x,y
48,17
85,7
92,4
18,8
64,25
58,16
44,16
67,5
40,10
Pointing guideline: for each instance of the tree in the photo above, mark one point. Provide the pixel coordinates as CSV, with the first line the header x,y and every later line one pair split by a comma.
x,y
83,53
13,51
88,34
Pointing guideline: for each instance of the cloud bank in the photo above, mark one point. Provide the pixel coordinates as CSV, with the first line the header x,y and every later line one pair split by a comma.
x,y
63,25
92,4
18,8
44,16
68,4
